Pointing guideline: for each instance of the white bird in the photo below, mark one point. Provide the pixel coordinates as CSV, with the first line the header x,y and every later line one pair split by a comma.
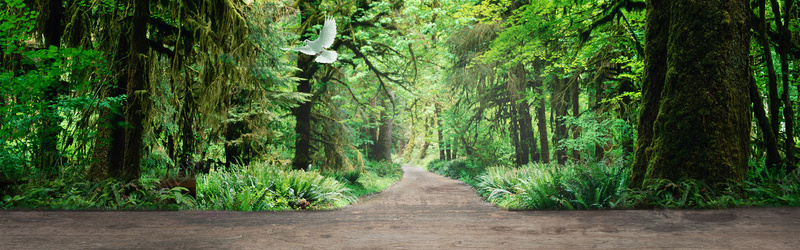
x,y
317,47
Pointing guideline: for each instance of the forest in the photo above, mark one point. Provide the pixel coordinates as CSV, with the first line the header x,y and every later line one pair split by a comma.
x,y
557,104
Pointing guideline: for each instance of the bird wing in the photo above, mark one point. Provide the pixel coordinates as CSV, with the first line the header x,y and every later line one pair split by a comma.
x,y
326,35
305,50
326,56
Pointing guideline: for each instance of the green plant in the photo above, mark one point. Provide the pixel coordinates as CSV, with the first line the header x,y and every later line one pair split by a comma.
x,y
262,186
550,186
462,169
384,168
107,194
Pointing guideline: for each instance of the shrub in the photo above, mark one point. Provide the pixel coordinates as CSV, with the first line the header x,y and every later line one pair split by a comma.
x,y
462,169
267,187
763,187
107,194
549,186
384,168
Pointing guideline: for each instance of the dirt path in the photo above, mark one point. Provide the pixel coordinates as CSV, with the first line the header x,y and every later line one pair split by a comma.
x,y
423,210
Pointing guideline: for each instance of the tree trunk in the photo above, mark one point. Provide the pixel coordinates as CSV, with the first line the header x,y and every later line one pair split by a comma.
x,y
136,90
574,100
597,98
437,111
47,155
109,146
187,131
302,113
372,130
656,37
234,143
383,150
521,116
527,138
541,122
782,49
559,101
702,129
772,83
773,157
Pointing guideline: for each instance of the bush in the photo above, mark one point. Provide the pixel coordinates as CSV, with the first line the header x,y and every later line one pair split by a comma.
x,y
384,168
462,169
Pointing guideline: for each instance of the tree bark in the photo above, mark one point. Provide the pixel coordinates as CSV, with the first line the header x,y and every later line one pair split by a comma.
x,y
702,124
437,113
302,114
574,100
541,122
527,138
187,129
772,83
559,101
773,157
136,90
384,143
109,148
656,37
520,115
597,98
782,49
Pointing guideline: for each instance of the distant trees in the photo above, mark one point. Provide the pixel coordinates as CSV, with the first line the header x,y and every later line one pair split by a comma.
x,y
526,70
118,82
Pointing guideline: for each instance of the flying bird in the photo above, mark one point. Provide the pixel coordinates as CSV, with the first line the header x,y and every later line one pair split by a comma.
x,y
317,47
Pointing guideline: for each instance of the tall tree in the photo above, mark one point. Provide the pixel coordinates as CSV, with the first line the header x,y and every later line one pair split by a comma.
x,y
695,122
52,30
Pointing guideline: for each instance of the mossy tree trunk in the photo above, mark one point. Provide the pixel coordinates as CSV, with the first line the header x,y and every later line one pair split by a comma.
x,y
302,113
559,103
695,122
541,122
574,92
137,73
383,146
439,128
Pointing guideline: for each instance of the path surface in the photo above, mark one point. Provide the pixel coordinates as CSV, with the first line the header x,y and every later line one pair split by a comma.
x,y
423,210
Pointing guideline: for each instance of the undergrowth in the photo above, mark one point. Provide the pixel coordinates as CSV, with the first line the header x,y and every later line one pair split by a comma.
x,y
110,194
265,187
375,177
599,186
257,187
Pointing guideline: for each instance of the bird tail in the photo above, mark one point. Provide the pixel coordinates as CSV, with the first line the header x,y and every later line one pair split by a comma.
x,y
327,56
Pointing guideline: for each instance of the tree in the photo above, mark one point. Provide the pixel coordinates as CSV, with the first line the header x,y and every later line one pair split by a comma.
x,y
695,122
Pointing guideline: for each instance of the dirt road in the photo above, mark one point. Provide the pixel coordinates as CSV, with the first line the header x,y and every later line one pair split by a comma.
x,y
423,210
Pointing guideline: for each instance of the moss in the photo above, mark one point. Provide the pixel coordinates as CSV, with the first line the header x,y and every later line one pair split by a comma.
x,y
702,125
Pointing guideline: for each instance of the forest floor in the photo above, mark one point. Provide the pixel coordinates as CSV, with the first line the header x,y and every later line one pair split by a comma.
x,y
423,210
